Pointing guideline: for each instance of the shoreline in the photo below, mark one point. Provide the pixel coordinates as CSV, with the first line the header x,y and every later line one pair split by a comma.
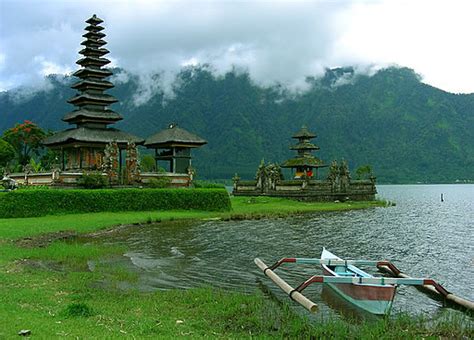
x,y
243,208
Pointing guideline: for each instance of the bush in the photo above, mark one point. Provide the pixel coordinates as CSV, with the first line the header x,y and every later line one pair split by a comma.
x,y
162,182
78,310
33,187
93,180
209,185
31,203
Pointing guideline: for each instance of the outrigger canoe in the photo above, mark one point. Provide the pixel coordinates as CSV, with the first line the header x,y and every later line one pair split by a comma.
x,y
373,294
373,298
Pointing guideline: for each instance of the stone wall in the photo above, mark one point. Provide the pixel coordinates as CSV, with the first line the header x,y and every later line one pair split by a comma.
x,y
310,190
69,178
176,180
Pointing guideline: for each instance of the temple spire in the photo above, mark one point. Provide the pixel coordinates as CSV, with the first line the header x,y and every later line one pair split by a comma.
x,y
82,147
91,102
305,161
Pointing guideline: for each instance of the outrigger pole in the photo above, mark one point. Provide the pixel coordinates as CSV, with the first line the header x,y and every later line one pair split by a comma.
x,y
400,278
293,293
335,262
457,300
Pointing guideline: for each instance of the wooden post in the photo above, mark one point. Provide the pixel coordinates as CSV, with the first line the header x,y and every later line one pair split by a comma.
x,y
294,294
62,159
173,164
119,175
80,158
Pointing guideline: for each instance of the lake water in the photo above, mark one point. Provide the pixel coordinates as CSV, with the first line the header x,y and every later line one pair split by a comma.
x,y
423,236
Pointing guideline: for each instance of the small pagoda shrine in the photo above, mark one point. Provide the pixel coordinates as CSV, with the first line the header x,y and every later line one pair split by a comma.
x,y
305,162
173,146
305,186
82,147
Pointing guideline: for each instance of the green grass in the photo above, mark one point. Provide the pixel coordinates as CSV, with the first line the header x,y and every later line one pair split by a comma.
x,y
13,228
53,305
282,206
50,291
242,207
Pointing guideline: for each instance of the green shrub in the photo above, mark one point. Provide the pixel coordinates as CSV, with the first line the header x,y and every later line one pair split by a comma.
x,y
33,187
162,182
207,184
78,309
30,203
92,180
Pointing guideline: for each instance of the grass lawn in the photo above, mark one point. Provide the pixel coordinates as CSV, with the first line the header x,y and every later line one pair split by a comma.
x,y
242,207
50,291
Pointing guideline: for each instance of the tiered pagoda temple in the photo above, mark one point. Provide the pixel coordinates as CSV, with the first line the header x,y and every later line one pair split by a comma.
x,y
82,146
305,162
173,146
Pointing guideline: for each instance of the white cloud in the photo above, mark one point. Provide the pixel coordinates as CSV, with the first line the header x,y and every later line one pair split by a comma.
x,y
49,67
276,41
431,37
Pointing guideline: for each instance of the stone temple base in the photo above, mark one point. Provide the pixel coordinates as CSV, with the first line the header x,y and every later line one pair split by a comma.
x,y
310,190
70,178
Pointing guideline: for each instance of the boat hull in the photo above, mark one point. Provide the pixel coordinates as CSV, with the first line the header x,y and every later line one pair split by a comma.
x,y
371,298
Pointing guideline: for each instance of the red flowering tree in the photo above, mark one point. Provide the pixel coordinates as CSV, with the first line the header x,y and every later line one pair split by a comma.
x,y
26,139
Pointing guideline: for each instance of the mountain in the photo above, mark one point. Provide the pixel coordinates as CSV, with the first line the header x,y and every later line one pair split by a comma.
x,y
407,130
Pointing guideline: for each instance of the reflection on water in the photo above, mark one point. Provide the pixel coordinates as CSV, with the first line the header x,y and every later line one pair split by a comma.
x,y
422,235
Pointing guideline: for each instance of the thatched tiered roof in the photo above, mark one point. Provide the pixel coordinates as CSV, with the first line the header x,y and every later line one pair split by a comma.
x,y
92,115
305,158
174,136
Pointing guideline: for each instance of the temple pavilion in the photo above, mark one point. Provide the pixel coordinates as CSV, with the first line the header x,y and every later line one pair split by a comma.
x,y
173,146
305,163
82,146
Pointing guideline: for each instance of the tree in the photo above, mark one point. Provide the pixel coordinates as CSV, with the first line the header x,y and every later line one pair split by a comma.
x,y
50,159
26,139
7,152
364,171
148,163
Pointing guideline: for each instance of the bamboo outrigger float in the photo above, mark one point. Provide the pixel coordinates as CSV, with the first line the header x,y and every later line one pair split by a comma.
x,y
373,294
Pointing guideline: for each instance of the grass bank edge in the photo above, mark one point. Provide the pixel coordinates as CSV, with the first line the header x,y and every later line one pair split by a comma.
x,y
242,208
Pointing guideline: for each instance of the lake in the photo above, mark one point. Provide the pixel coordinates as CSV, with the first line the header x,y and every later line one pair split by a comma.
x,y
422,235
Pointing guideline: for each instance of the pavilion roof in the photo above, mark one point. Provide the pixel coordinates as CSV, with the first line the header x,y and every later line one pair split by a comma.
x,y
82,113
95,84
174,135
85,72
307,161
99,99
304,146
304,133
88,135
93,61
94,20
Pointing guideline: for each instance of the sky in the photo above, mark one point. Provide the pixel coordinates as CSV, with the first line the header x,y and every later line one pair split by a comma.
x,y
275,41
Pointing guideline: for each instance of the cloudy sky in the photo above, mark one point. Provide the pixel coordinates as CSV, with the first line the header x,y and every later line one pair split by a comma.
x,y
276,41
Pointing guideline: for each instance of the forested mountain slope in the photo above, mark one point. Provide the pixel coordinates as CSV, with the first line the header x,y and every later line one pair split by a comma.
x,y
407,130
